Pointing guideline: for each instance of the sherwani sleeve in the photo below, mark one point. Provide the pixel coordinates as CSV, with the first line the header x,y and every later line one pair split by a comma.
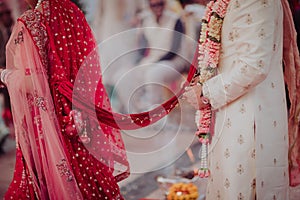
x,y
253,45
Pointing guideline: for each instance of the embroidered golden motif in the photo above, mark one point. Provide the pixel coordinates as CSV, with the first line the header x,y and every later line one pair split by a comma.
x,y
253,154
240,169
265,2
241,196
249,19
261,64
272,85
227,153
275,124
237,4
243,109
241,139
227,183
228,123
262,34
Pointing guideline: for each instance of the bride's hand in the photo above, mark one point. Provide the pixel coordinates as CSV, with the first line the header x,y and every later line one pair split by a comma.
x,y
193,96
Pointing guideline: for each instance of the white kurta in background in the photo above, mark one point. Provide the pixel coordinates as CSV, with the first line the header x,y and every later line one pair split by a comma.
x,y
249,151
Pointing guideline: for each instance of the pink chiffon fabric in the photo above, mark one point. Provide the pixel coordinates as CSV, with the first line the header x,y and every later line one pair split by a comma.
x,y
42,170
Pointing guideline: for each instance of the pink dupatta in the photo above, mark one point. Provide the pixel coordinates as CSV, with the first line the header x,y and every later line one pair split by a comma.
x,y
44,169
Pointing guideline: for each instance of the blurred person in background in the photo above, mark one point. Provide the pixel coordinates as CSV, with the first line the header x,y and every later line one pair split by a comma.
x,y
193,11
160,43
17,7
6,23
113,24
113,17
191,15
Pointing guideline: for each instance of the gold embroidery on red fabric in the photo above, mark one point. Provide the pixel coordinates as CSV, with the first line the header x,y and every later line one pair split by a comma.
x,y
33,21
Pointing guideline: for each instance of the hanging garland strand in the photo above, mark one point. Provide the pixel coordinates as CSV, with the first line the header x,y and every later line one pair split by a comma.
x,y
208,60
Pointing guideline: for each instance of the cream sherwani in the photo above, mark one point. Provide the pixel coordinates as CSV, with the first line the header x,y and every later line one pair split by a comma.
x,y
249,151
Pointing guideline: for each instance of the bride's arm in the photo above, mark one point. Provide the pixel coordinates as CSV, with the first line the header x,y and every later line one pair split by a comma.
x,y
23,60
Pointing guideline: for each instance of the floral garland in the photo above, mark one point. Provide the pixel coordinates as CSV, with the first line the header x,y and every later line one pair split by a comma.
x,y
208,60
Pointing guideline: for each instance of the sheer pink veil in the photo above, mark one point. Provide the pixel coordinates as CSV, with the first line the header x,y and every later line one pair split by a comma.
x,y
37,129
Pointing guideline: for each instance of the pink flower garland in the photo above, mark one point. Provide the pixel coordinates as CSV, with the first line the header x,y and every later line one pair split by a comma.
x,y
208,60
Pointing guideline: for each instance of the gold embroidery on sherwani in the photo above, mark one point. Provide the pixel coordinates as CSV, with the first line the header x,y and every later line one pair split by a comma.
x,y
217,166
274,47
244,69
228,123
260,108
240,169
237,4
227,153
261,64
231,36
226,86
249,19
265,2
227,183
218,194
272,85
236,34
243,109
253,154
241,196
241,139
262,34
